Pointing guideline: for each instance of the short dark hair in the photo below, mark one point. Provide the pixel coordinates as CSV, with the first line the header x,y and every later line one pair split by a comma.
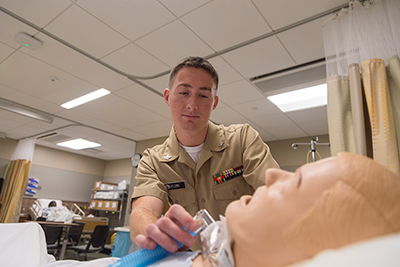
x,y
194,62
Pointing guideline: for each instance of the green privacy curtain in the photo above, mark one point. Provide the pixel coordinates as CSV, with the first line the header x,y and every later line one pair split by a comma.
x,y
15,181
362,47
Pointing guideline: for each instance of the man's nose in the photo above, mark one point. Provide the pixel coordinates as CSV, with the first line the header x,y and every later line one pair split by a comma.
x,y
192,103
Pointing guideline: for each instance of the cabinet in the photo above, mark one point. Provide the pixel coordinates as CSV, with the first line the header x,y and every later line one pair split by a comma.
x,y
108,200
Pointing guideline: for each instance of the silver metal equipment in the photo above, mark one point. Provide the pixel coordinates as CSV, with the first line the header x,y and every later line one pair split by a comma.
x,y
313,151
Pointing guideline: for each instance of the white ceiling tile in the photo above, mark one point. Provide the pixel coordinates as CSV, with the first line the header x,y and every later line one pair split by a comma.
x,y
133,60
159,84
92,121
315,128
309,115
221,24
39,12
27,99
272,121
68,60
86,32
265,56
287,132
257,108
131,134
282,13
180,8
23,131
155,129
180,40
305,43
5,51
238,92
149,14
145,98
31,76
265,136
225,72
226,116
116,110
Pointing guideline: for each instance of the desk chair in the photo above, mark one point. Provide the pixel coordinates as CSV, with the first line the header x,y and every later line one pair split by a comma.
x,y
96,242
75,233
53,237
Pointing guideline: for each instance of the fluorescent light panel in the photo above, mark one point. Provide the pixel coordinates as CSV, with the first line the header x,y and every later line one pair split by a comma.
x,y
301,99
86,98
78,144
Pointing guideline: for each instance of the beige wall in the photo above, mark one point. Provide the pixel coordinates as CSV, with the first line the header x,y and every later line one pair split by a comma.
x,y
142,145
286,156
120,167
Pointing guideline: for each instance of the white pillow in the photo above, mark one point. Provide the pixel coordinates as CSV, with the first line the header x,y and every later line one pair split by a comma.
x,y
44,202
381,251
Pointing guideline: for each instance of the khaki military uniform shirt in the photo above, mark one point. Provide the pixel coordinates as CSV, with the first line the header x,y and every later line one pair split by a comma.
x,y
236,152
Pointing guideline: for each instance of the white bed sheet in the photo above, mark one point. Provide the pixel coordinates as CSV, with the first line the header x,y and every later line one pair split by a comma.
x,y
23,244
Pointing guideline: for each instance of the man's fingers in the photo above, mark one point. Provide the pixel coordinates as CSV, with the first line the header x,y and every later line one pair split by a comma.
x,y
145,242
168,226
162,238
181,217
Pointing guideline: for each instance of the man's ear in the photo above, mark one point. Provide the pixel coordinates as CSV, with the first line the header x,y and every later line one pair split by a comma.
x,y
166,96
216,99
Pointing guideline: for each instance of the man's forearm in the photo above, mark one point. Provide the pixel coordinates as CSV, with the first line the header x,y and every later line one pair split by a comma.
x,y
141,216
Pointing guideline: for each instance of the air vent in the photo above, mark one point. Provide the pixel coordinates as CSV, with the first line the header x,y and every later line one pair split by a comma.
x,y
53,138
292,79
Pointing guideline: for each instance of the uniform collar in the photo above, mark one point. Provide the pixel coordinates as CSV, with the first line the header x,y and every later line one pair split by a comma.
x,y
215,141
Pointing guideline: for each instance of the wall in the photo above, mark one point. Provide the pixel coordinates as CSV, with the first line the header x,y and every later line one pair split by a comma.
x,y
61,174
289,159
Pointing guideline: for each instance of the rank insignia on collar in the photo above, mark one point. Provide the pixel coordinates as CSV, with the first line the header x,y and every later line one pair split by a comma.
x,y
167,157
227,174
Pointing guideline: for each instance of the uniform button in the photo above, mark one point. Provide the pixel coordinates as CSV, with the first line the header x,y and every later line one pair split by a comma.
x,y
176,202
234,192
203,200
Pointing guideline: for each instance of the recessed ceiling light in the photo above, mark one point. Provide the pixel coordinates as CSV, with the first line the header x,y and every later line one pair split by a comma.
x,y
78,144
301,99
86,98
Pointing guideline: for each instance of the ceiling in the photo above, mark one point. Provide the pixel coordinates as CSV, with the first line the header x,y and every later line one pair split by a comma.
x,y
129,47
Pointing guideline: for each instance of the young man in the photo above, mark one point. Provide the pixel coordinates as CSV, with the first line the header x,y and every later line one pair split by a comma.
x,y
200,165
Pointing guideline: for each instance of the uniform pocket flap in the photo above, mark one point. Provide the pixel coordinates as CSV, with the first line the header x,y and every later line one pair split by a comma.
x,y
232,189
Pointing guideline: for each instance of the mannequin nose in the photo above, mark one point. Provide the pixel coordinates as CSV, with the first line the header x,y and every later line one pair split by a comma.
x,y
275,175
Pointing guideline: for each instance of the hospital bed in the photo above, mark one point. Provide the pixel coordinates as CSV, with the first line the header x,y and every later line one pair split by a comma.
x,y
40,204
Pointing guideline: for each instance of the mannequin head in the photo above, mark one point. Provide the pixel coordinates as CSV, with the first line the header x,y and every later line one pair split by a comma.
x,y
326,204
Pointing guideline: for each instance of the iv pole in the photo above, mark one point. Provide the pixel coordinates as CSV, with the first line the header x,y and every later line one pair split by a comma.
x,y
313,142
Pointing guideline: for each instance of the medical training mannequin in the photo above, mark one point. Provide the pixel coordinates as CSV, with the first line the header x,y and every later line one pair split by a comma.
x,y
327,204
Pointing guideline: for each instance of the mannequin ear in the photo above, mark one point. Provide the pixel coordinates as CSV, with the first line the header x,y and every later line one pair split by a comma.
x,y
166,96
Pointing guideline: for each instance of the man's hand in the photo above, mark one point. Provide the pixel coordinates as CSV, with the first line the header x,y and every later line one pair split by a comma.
x,y
168,228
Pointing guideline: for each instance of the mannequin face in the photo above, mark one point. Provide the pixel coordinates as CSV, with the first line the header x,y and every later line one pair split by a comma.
x,y
258,222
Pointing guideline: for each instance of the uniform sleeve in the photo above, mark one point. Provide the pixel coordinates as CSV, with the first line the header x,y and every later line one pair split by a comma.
x,y
257,157
147,181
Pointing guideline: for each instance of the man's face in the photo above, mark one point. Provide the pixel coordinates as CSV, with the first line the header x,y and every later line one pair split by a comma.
x,y
191,100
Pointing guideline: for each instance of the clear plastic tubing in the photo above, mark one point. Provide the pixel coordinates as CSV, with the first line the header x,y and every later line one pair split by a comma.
x,y
145,257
